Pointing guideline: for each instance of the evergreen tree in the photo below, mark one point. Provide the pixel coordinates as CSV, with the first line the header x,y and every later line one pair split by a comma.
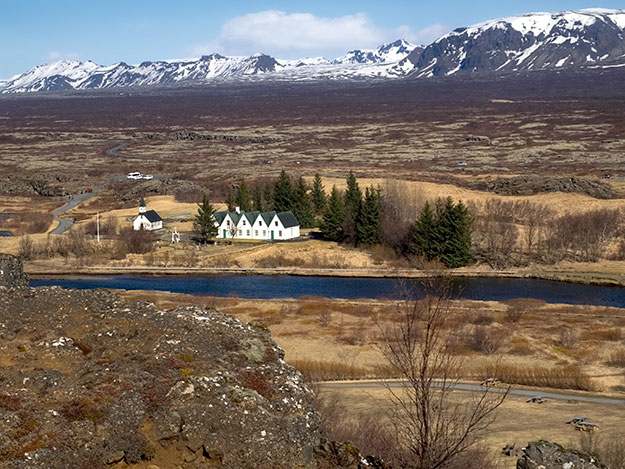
x,y
230,202
268,198
424,238
204,223
243,199
283,194
368,223
331,225
353,197
318,194
352,201
257,199
453,233
303,210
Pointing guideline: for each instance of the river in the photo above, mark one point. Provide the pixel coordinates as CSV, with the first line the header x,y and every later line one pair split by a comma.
x,y
288,286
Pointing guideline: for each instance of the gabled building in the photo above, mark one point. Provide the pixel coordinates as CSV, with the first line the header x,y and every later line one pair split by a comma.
x,y
148,219
256,225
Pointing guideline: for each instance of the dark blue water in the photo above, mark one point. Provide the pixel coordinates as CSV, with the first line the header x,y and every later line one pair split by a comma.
x,y
286,286
5,233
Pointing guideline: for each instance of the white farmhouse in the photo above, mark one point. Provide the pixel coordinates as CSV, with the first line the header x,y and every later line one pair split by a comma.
x,y
147,220
256,225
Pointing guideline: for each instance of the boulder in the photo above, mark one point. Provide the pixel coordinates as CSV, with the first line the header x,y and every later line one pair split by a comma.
x,y
12,272
546,455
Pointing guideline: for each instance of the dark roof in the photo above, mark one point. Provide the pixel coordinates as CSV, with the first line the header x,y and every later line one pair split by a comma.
x,y
152,216
287,219
268,216
251,216
219,217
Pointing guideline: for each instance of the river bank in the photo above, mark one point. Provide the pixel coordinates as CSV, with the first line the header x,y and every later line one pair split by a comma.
x,y
39,270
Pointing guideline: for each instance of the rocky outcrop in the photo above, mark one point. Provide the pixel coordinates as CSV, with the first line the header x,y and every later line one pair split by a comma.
x,y
533,184
44,185
545,455
90,381
11,272
187,135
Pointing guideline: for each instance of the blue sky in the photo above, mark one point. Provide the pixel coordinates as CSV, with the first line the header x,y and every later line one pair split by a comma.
x,y
39,31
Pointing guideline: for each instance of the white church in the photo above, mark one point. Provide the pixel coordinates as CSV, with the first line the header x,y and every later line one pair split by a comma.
x,y
147,220
256,225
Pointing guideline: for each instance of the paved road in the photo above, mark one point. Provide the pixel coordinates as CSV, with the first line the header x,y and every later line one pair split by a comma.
x,y
477,388
114,151
65,224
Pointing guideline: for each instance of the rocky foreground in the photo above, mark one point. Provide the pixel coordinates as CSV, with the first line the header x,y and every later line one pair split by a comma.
x,y
87,380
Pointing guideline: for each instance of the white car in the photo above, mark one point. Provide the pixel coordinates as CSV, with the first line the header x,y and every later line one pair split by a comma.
x,y
148,176
134,175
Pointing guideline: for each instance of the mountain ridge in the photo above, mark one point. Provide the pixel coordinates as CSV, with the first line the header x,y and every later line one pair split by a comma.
x,y
532,41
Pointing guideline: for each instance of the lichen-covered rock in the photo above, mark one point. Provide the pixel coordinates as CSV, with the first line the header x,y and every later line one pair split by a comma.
x,y
546,455
11,272
90,381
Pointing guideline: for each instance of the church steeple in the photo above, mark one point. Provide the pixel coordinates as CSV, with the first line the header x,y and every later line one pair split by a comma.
x,y
142,208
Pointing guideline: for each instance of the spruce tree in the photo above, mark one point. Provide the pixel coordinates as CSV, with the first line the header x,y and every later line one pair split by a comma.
x,y
303,210
453,233
283,194
318,194
368,223
242,199
230,202
353,202
268,198
204,223
424,238
331,225
257,199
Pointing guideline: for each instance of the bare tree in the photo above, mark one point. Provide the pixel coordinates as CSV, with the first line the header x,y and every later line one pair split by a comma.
x,y
434,421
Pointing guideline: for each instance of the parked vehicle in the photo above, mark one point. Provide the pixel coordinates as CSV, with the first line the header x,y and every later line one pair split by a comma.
x,y
135,175
148,176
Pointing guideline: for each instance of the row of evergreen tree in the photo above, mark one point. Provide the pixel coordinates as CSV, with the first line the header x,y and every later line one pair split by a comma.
x,y
442,231
282,196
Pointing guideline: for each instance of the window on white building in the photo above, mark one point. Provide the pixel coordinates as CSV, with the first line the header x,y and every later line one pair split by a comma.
x,y
276,222
248,232
240,232
255,232
280,233
264,232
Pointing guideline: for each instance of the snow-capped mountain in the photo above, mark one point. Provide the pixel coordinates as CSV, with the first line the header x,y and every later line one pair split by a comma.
x,y
67,75
535,41
386,53
526,42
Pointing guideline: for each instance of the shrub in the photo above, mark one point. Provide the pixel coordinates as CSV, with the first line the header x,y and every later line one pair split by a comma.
x,y
559,377
567,339
617,358
483,319
138,242
612,334
485,340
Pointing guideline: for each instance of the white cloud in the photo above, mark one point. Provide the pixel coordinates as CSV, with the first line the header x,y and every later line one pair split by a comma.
x,y
295,35
55,56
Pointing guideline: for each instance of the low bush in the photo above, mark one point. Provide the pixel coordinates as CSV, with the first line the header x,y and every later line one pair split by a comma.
x,y
558,377
317,370
485,340
617,358
611,334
